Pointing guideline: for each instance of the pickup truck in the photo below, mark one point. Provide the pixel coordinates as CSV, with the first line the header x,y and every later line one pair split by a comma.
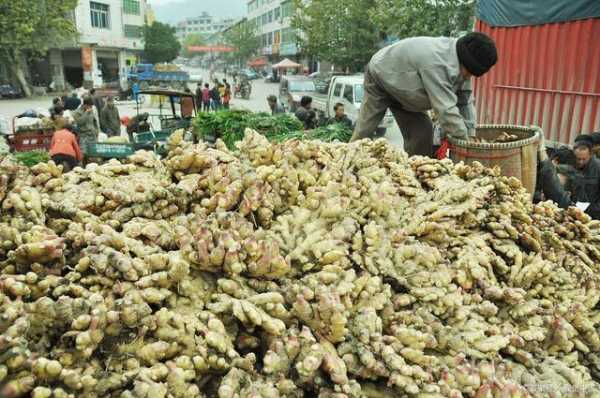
x,y
349,91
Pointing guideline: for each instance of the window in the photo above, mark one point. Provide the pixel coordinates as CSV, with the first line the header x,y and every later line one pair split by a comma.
x,y
270,16
287,9
277,13
132,31
100,15
348,94
270,39
302,86
337,91
359,93
264,19
131,7
288,35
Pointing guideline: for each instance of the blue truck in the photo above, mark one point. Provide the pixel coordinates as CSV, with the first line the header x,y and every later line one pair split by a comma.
x,y
152,75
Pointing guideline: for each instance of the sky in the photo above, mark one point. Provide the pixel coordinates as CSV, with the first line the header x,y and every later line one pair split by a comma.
x,y
173,11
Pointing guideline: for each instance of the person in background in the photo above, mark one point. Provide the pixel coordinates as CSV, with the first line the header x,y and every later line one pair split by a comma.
x,y
110,121
306,114
57,117
340,116
215,97
187,105
274,105
221,89
563,156
206,98
595,138
86,123
98,100
55,101
64,148
588,167
416,74
135,90
226,95
72,103
199,94
138,124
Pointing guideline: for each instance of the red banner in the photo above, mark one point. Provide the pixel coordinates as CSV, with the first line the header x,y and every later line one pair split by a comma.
x,y
86,58
206,49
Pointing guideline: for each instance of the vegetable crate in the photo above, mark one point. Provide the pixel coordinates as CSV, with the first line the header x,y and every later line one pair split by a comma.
x,y
156,136
23,142
107,150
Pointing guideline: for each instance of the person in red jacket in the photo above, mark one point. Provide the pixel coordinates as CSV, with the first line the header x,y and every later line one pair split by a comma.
x,y
64,149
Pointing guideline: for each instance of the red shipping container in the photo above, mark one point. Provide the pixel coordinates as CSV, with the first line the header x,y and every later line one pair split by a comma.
x,y
547,75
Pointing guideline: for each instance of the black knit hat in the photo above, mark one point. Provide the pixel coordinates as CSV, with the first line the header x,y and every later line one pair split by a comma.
x,y
583,140
476,52
595,138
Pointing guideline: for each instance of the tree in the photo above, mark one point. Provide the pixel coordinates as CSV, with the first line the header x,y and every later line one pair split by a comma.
x,y
337,31
406,18
30,28
243,38
193,39
160,43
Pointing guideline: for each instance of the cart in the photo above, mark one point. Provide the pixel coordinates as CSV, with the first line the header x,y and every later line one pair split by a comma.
x,y
108,150
169,121
31,138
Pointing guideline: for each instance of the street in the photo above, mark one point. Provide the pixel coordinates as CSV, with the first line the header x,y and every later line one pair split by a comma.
x,y
256,103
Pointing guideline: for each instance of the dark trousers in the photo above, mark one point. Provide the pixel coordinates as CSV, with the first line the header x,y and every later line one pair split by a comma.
x,y
416,127
68,162
206,106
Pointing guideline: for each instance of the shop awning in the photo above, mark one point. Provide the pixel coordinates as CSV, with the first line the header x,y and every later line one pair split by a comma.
x,y
257,62
287,64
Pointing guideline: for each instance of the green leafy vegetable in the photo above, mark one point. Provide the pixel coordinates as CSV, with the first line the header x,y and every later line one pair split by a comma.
x,y
230,126
31,158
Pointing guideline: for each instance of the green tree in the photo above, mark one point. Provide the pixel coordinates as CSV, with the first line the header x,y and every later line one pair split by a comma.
x,y
193,39
29,28
160,43
406,18
243,38
337,31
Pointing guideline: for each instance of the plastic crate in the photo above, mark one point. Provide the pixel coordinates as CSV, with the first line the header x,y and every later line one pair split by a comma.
x,y
163,135
23,142
156,136
107,150
145,137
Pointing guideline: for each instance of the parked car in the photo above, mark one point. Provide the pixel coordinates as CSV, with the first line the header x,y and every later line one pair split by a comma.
x,y
250,74
292,89
10,91
349,91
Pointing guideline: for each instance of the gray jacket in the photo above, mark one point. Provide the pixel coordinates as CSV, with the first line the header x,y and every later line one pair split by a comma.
x,y
86,123
422,73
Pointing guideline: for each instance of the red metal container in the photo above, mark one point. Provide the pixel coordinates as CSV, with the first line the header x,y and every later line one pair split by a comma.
x,y
547,75
23,142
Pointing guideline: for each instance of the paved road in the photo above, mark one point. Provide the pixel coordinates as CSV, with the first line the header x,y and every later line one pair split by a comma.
x,y
256,103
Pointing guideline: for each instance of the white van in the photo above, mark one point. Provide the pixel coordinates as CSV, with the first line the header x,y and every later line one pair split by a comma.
x,y
349,91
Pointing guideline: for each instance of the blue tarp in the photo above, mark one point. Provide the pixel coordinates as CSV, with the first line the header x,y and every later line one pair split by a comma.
x,y
535,12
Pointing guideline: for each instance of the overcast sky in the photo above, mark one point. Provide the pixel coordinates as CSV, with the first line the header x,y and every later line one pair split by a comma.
x,y
173,11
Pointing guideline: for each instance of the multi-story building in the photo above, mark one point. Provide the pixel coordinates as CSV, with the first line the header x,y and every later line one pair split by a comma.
x,y
205,24
272,19
110,39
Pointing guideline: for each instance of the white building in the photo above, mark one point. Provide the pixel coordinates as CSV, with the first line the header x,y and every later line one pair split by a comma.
x,y
272,19
205,25
110,39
